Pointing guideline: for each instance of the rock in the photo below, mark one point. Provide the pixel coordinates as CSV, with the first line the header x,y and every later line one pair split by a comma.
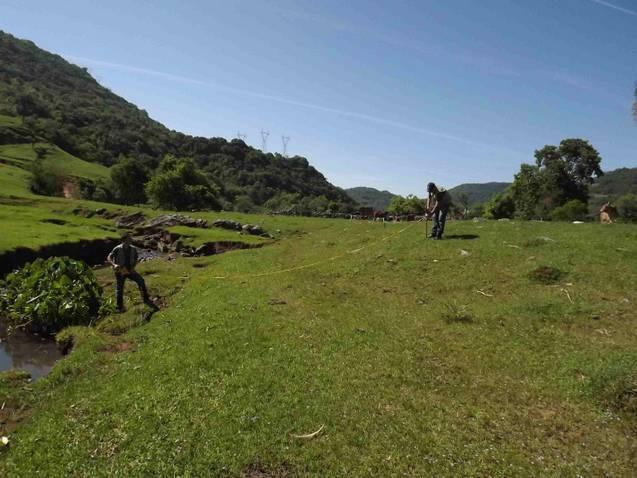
x,y
252,229
82,211
167,220
206,249
100,211
464,253
227,224
130,220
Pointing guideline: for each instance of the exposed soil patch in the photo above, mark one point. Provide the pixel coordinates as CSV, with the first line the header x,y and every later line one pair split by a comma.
x,y
546,275
120,347
57,222
93,252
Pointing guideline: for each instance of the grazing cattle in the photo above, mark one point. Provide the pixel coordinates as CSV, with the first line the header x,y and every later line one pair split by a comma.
x,y
380,215
366,212
604,214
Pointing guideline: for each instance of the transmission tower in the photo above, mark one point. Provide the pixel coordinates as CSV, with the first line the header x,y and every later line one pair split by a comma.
x,y
242,136
264,140
285,140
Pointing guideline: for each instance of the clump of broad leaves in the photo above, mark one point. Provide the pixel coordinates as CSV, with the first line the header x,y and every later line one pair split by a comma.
x,y
47,295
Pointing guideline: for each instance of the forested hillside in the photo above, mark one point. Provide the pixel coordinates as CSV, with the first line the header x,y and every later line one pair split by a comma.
x,y
63,104
616,183
478,193
371,197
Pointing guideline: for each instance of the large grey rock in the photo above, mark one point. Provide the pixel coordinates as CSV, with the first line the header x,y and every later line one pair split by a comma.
x,y
130,220
167,220
227,224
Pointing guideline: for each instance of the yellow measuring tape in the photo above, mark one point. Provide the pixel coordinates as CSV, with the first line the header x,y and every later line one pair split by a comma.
x,y
314,264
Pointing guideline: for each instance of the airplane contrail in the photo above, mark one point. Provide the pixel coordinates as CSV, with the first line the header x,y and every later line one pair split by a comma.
x,y
302,104
615,7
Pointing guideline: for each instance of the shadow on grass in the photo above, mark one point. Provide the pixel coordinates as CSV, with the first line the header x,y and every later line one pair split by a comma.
x,y
464,237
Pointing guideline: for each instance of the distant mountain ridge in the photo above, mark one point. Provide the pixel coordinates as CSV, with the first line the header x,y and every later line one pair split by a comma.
x,y
478,193
371,197
612,185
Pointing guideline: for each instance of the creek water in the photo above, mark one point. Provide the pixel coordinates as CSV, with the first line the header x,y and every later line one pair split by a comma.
x,y
27,352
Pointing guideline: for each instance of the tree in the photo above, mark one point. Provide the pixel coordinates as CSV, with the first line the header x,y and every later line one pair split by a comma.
x,y
526,190
45,179
574,210
179,185
406,205
463,199
560,174
129,178
627,207
568,169
501,206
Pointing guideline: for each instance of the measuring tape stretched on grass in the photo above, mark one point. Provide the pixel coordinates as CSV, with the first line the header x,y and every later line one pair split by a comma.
x,y
314,264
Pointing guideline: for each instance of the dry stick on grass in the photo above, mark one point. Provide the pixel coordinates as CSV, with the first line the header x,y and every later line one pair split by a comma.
x,y
480,291
310,435
568,295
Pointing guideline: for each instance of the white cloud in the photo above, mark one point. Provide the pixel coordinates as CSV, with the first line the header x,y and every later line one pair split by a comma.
x,y
615,7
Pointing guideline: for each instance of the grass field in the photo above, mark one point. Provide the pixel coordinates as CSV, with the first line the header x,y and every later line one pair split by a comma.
x,y
413,357
22,155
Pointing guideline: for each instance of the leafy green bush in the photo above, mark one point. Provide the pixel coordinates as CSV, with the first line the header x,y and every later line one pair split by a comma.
x,y
627,207
45,179
47,295
574,210
178,184
501,206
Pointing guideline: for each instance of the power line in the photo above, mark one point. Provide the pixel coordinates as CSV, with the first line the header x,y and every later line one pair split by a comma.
x,y
285,140
264,140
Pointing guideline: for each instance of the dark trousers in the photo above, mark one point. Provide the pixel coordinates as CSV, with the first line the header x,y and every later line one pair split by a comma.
x,y
440,217
137,279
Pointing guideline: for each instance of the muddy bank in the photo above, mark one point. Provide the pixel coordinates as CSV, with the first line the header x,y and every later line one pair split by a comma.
x,y
93,252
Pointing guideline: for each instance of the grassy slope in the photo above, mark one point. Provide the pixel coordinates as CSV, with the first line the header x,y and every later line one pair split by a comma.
x,y
221,379
22,155
10,120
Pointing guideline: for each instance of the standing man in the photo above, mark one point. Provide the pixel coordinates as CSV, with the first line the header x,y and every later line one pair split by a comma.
x,y
124,259
438,204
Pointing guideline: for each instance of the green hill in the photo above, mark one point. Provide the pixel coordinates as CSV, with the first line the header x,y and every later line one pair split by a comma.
x,y
614,184
371,197
478,193
64,105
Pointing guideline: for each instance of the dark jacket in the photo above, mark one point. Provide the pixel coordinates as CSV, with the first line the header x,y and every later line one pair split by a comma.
x,y
118,256
443,201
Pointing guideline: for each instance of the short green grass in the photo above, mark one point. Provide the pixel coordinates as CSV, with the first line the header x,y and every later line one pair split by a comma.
x,y
6,120
22,155
221,380
417,358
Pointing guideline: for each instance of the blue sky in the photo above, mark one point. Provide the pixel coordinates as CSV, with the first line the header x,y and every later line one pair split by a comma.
x,y
388,94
